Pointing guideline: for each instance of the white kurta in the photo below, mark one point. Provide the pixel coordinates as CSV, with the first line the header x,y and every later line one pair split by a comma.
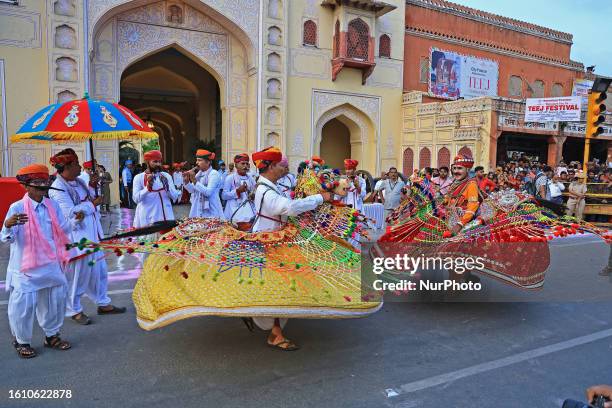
x,y
286,184
205,200
353,198
272,207
83,278
275,208
234,202
154,205
42,290
178,179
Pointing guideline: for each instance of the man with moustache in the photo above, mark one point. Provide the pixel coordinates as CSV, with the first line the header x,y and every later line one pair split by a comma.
x,y
204,187
286,184
153,192
463,198
236,191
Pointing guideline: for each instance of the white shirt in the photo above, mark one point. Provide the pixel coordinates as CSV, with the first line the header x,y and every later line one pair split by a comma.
x,y
178,179
353,198
556,188
233,201
44,276
286,184
76,198
393,193
205,200
274,208
127,176
154,205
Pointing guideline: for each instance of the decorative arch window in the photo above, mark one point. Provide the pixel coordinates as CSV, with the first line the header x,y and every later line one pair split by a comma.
x,y
557,90
537,89
408,162
337,39
444,157
310,33
424,70
358,36
384,46
424,158
515,86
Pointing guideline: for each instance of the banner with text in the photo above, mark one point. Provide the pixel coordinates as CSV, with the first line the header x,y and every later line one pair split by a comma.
x,y
561,109
453,75
581,88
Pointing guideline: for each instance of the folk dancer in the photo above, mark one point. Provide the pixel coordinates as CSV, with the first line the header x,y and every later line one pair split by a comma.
x,y
204,187
38,233
154,192
87,273
239,207
272,209
286,184
463,197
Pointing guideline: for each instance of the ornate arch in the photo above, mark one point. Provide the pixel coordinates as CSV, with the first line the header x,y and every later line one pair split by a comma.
x,y
240,17
360,126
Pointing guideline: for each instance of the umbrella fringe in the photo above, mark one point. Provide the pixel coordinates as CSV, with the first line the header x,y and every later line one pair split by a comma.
x,y
68,137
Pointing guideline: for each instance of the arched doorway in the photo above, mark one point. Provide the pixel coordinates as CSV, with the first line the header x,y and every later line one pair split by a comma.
x,y
362,139
171,91
408,162
335,143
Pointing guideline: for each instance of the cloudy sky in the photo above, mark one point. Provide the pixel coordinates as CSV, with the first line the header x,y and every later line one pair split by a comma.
x,y
577,17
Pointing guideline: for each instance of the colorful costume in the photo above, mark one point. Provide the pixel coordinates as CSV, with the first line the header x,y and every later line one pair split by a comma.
x,y
304,268
508,217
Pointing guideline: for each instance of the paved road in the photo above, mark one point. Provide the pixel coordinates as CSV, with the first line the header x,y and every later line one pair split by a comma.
x,y
407,355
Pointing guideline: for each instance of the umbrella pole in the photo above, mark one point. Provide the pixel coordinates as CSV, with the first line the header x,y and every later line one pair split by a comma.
x,y
93,161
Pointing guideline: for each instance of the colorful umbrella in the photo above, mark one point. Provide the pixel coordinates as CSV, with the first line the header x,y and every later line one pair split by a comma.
x,y
80,120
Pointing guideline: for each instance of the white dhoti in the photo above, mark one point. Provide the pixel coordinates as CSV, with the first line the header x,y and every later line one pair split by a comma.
x,y
89,280
49,304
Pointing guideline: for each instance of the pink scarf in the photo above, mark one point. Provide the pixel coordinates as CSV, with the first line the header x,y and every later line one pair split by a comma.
x,y
37,251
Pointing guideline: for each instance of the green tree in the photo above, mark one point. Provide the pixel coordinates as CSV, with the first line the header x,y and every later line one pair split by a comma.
x,y
152,144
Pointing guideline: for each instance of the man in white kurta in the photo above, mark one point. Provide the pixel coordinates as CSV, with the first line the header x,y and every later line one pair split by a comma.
x,y
87,273
38,232
357,186
272,209
236,191
286,184
204,188
177,177
153,192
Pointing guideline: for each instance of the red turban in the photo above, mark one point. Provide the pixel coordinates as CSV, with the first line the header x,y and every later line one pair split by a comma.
x,y
242,157
88,165
318,160
166,167
205,154
463,160
350,164
177,165
64,157
269,154
33,172
153,155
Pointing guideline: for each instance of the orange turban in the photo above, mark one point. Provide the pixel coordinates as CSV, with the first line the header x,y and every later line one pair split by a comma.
x,y
463,160
88,165
33,172
153,155
242,157
205,154
318,160
64,157
350,164
268,155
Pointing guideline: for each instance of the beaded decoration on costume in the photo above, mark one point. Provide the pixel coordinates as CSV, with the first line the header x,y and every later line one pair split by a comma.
x,y
207,267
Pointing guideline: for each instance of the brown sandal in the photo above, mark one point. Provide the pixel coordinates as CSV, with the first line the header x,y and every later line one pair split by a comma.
x,y
55,342
285,345
81,318
24,350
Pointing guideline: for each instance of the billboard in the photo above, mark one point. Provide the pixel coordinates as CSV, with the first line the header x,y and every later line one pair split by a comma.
x,y
560,109
453,75
581,88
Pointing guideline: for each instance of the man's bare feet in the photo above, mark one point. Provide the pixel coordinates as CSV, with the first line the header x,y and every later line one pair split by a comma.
x,y
277,340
